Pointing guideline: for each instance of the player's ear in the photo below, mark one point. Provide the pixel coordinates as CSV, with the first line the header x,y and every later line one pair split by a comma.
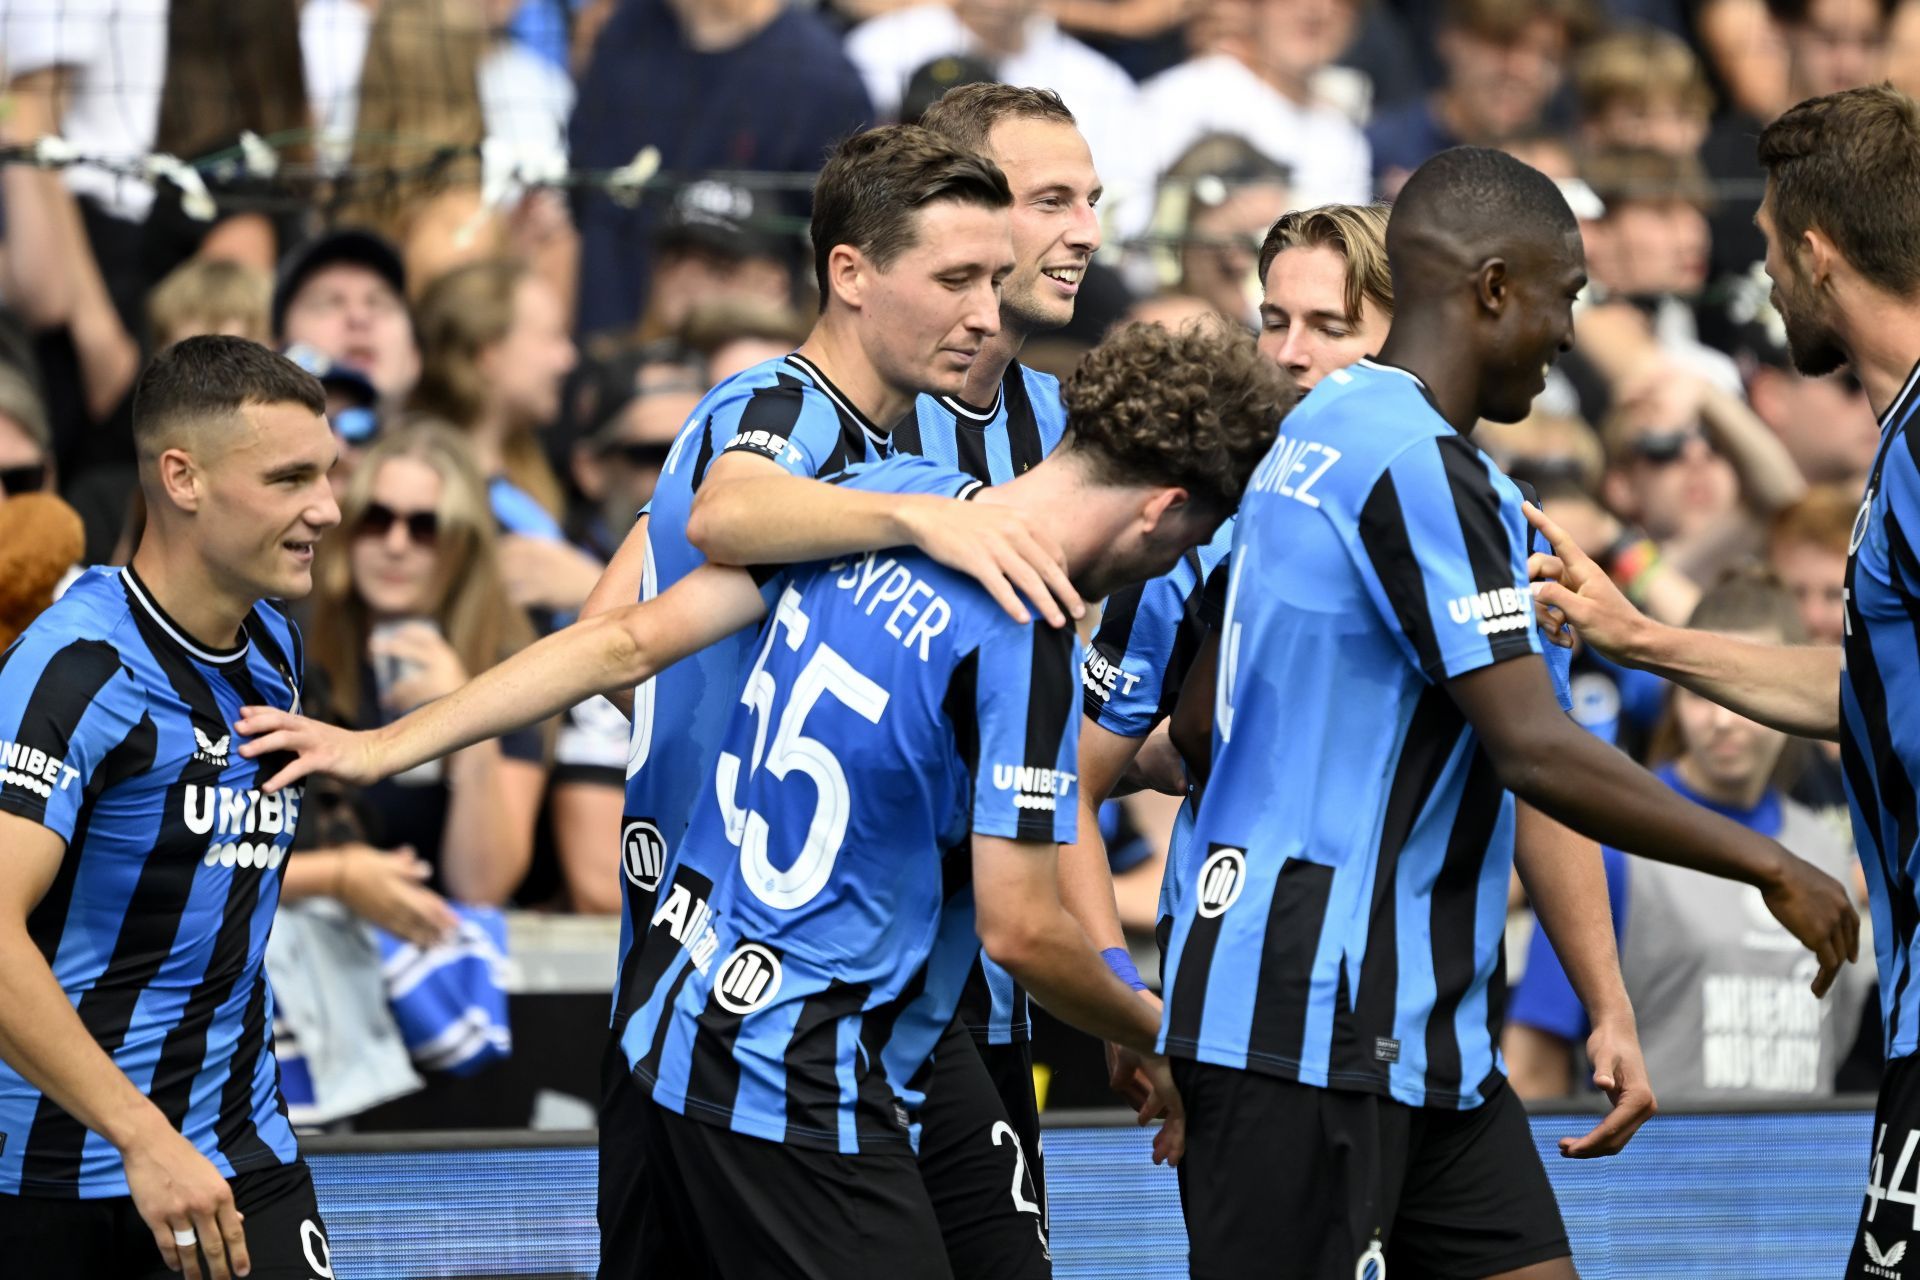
x,y
1493,285
1161,505
180,479
847,273
1817,255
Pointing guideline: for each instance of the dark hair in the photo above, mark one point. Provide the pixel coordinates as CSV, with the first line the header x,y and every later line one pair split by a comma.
x,y
232,66
214,376
965,115
1502,21
1849,164
1472,199
875,181
1622,175
1196,408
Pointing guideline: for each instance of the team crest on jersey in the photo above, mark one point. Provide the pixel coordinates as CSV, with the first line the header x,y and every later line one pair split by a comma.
x,y
211,751
1860,521
1222,876
643,853
1372,1264
749,979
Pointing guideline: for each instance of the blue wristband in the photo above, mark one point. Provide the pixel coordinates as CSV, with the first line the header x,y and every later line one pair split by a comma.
x,y
1121,963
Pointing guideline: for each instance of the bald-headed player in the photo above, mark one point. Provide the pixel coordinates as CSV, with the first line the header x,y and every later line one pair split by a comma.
x,y
140,1109
1334,979
1842,226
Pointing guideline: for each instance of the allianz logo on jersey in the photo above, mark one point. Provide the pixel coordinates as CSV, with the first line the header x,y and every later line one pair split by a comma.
x,y
32,769
1222,876
688,920
1506,609
1035,788
749,979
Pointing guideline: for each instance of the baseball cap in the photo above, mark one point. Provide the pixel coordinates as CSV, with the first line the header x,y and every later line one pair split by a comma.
x,y
720,216
359,422
353,245
931,82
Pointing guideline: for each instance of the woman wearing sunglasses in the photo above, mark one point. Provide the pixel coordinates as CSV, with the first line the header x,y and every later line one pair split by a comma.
x,y
408,603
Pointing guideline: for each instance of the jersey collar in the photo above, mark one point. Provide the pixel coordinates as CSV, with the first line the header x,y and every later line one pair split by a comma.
x,y
143,600
965,412
1410,376
839,397
1904,402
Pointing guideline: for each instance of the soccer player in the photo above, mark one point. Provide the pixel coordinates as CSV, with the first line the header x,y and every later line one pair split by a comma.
x,y
1841,229
1332,1001
140,1111
988,1189
810,946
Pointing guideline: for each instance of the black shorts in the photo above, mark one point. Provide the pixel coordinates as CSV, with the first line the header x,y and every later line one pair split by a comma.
x,y
286,1238
980,1159
1889,1229
685,1198
1286,1181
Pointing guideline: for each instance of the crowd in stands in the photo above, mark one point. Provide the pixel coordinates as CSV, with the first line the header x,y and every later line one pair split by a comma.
x,y
507,363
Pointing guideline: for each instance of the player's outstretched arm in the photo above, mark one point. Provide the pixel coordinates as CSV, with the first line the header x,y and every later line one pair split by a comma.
x,y
1567,883
1546,759
614,650
751,511
175,1189
619,586
1793,688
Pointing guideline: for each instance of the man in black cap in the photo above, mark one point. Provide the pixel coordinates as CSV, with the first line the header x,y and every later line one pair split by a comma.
x,y
345,294
719,242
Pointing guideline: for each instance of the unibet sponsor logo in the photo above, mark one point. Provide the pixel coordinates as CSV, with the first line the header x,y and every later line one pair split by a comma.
x,y
749,979
1036,788
32,769
688,920
227,813
210,751
1494,611
767,443
643,852
1222,876
1103,678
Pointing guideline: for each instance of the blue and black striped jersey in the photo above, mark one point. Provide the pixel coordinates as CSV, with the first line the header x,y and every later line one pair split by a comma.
x,y
784,410
1343,926
116,734
812,942
1880,711
1135,666
993,445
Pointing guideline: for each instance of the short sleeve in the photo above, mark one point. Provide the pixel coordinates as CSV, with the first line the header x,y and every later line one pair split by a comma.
x,y
783,424
1124,672
906,473
65,705
1897,536
1025,733
1444,543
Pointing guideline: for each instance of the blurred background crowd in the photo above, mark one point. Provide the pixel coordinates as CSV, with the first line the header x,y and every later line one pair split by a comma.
x,y
517,240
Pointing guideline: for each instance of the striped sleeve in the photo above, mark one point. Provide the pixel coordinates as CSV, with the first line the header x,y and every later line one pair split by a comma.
x,y
1124,672
65,704
906,473
1444,546
1023,742
784,424
1900,481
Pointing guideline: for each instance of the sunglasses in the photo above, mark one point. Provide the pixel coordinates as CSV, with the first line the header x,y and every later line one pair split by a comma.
x,y
637,453
15,481
423,527
1661,448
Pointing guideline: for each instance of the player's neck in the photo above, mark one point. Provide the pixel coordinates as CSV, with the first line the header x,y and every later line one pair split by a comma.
x,y
990,366
187,591
1423,345
834,349
1083,519
1881,347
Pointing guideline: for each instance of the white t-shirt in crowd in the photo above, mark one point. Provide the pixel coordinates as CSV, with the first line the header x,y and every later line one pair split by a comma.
x,y
116,55
1326,151
888,49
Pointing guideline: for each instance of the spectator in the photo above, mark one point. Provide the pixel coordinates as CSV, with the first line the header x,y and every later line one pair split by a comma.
x,y
1263,89
210,295
720,243
345,294
353,410
731,336
26,455
1170,309
1642,89
632,408
756,85
1504,62
526,99
1827,45
1719,991
1825,423
1213,211
409,602
1807,547
1020,41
